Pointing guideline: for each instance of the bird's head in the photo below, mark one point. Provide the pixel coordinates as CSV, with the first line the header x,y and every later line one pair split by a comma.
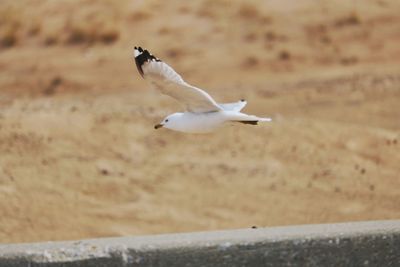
x,y
170,122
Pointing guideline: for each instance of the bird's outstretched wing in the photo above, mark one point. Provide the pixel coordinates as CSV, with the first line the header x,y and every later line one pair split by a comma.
x,y
164,78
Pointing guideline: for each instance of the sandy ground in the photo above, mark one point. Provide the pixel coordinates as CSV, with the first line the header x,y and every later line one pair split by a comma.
x,y
79,157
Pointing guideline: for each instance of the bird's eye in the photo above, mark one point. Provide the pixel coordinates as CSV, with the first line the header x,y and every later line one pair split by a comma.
x,y
166,120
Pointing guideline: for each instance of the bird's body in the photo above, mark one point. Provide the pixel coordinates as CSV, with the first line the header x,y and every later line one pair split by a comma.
x,y
195,122
206,122
203,114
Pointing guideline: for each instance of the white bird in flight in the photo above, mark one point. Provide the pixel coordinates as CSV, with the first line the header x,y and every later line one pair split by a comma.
x,y
203,114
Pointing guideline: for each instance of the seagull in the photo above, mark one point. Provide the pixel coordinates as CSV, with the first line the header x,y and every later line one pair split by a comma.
x,y
202,113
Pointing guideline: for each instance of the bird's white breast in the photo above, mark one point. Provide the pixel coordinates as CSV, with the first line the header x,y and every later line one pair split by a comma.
x,y
199,122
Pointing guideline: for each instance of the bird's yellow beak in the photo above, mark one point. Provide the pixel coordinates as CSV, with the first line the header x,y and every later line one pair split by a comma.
x,y
158,126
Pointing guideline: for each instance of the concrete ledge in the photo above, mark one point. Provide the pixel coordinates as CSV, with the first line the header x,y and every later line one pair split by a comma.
x,y
375,243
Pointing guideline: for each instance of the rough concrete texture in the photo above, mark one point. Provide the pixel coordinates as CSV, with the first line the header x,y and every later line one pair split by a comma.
x,y
375,243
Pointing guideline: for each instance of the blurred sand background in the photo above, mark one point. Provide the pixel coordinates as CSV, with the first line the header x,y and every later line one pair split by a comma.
x,y
79,157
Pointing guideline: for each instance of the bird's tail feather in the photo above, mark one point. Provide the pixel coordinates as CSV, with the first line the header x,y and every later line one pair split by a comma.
x,y
249,119
264,119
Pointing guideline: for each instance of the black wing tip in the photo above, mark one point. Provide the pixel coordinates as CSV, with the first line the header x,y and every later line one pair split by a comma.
x,y
146,54
142,57
139,49
249,122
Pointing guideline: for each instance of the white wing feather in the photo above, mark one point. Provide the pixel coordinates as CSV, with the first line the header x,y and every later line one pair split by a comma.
x,y
165,79
235,106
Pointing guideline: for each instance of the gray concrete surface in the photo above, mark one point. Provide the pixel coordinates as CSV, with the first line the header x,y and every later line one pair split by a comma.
x,y
375,243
